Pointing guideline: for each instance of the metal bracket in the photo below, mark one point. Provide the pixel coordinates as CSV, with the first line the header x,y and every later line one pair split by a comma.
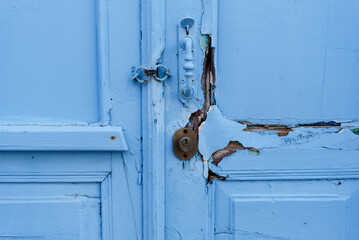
x,y
186,61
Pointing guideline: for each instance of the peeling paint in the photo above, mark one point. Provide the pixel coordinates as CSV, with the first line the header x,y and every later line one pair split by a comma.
x,y
219,137
355,131
205,42
212,176
321,124
208,85
231,148
283,130
218,131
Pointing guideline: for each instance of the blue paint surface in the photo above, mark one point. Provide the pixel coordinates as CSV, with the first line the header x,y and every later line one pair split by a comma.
x,y
86,153
49,68
288,61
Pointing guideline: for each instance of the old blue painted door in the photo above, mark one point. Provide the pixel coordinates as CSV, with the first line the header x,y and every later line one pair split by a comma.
x,y
274,106
70,120
276,112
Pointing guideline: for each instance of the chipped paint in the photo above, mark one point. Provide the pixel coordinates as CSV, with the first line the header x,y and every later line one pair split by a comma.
x,y
212,176
208,85
231,148
321,124
205,42
219,137
218,131
281,130
355,131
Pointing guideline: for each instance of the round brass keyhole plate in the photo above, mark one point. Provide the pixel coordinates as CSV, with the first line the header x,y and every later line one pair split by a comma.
x,y
185,139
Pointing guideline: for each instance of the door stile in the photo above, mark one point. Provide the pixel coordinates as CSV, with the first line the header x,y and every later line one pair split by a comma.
x,y
153,121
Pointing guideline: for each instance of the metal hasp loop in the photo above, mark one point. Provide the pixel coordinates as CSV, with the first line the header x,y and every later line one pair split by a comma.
x,y
187,66
160,73
161,70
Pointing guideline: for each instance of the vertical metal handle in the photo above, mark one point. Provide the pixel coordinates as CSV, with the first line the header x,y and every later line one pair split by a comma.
x,y
187,61
188,67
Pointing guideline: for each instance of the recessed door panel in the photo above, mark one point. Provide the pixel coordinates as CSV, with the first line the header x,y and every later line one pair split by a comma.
x,y
288,61
287,210
53,195
50,211
49,61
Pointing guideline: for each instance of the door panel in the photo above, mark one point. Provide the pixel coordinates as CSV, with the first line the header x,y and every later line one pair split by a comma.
x,y
54,195
50,64
287,210
288,61
50,211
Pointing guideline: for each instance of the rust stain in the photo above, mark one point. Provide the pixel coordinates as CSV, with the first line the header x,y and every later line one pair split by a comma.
x,y
149,72
231,148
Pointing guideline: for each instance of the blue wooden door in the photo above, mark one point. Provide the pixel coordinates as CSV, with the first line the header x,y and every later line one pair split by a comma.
x,y
268,87
70,120
276,113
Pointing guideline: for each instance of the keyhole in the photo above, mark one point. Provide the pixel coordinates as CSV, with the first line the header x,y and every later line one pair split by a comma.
x,y
185,144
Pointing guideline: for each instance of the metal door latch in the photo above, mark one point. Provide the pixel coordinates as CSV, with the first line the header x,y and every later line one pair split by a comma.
x,y
143,74
185,143
186,60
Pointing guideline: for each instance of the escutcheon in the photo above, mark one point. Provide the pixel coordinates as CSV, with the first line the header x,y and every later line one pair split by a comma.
x,y
185,143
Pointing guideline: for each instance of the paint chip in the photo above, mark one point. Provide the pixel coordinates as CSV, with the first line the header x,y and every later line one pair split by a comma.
x,y
231,148
355,131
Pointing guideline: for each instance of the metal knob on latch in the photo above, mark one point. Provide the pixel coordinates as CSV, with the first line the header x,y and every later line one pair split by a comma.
x,y
185,143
